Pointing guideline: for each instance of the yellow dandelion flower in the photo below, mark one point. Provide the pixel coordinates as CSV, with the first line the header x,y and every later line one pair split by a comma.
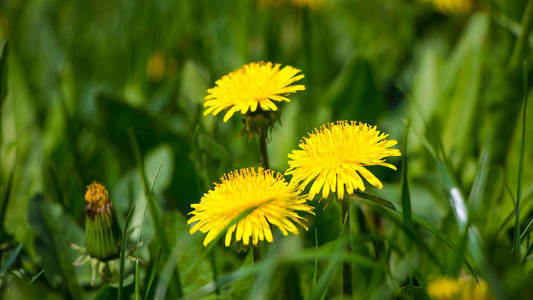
x,y
445,288
464,288
452,6
272,200
155,67
252,87
96,196
336,156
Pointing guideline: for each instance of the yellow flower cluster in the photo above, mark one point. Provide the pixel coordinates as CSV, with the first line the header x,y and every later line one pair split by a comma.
x,y
463,288
333,158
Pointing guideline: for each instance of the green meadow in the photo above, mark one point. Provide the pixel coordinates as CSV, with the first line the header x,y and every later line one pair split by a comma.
x,y
113,92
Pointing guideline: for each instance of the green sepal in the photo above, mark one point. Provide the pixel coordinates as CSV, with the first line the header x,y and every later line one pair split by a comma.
x,y
102,235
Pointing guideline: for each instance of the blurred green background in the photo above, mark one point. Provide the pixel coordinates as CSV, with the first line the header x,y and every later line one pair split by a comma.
x,y
78,75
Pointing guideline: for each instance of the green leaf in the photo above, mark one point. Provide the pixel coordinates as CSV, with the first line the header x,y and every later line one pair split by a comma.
x,y
54,230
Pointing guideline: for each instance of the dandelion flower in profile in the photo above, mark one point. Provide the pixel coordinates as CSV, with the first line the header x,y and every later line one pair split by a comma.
x,y
270,198
337,155
255,86
102,232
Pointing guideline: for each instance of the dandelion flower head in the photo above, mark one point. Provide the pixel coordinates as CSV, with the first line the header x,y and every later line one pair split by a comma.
x,y
270,199
337,155
97,195
255,86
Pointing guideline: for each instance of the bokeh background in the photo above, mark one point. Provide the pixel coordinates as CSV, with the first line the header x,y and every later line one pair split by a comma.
x,y
79,75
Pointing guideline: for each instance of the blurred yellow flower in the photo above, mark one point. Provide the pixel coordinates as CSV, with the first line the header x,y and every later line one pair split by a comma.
x,y
445,288
270,198
252,87
464,288
313,4
155,67
336,156
452,6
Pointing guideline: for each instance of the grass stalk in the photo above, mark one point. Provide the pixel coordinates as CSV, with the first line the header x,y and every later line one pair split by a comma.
x,y
346,265
516,238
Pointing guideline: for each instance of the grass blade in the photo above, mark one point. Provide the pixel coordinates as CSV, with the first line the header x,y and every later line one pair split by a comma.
x,y
372,198
11,259
6,193
475,198
152,275
516,237
154,210
3,80
34,278
406,202
123,250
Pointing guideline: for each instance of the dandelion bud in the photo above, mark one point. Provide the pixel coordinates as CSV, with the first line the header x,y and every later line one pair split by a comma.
x,y
102,233
259,122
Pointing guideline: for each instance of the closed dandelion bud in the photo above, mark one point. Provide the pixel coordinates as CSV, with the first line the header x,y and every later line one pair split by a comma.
x,y
102,233
259,122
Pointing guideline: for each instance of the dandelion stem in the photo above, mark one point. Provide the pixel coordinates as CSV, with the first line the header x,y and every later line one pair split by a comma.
x,y
263,150
256,253
346,266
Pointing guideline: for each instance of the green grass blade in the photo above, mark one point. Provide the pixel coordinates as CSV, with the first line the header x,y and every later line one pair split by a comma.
x,y
406,201
123,251
11,259
475,198
315,269
521,42
137,288
516,237
526,230
155,267
34,278
154,210
6,193
456,197
372,198
3,80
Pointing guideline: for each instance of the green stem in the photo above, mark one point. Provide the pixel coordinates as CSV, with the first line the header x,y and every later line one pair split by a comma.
x,y
263,150
256,253
346,266
522,39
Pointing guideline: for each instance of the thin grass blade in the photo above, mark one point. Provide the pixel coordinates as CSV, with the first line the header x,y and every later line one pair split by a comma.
x,y
123,251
